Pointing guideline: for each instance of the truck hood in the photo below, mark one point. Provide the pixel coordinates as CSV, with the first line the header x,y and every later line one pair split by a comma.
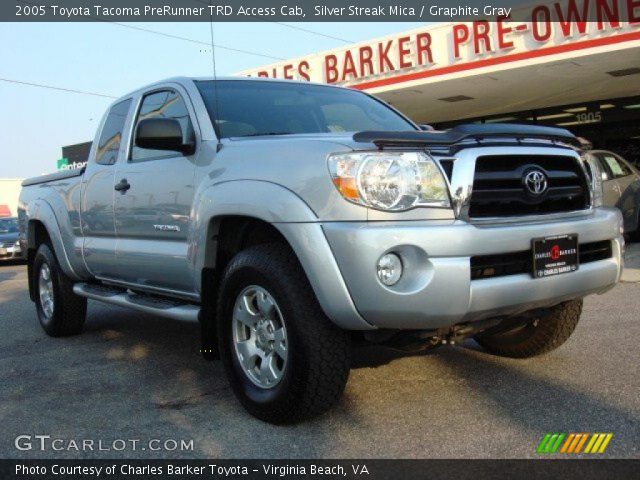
x,y
436,138
299,164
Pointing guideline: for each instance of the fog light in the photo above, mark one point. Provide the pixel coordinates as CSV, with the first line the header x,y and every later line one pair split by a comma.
x,y
389,269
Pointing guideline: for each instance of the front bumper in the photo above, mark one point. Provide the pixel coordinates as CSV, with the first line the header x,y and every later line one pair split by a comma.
x,y
436,289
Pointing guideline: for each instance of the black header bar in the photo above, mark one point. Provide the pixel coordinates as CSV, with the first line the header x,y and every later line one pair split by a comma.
x,y
314,10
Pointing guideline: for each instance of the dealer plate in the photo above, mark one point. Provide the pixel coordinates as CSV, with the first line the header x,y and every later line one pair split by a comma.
x,y
555,255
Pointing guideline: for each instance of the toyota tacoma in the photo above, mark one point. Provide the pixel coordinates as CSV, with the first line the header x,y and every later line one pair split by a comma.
x,y
292,220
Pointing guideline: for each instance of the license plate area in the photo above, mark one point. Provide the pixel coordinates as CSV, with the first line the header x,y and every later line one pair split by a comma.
x,y
554,255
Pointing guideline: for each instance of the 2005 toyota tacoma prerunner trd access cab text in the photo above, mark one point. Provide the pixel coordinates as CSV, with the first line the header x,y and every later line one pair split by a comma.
x,y
293,219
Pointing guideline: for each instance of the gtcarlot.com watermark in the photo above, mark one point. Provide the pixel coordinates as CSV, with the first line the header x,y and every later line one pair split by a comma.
x,y
44,443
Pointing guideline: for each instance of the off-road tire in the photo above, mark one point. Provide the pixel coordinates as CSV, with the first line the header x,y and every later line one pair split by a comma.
x,y
319,353
70,310
539,336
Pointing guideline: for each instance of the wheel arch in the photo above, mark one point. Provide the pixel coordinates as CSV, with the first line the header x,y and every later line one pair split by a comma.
x,y
267,212
42,227
245,204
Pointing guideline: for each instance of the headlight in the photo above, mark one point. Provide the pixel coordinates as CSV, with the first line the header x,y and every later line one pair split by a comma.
x,y
596,180
392,181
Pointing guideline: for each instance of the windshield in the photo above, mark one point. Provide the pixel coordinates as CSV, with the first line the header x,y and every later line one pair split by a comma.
x,y
251,108
8,225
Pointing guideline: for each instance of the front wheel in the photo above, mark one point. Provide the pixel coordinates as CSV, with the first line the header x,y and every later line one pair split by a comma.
x,y
538,336
285,360
60,311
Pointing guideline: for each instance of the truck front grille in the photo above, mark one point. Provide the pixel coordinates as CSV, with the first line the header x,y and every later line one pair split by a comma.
x,y
491,266
500,187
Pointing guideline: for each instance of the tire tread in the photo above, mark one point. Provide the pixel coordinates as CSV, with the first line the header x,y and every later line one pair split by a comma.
x,y
327,348
69,319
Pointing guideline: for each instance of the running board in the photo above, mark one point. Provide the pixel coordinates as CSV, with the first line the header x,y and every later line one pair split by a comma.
x,y
162,307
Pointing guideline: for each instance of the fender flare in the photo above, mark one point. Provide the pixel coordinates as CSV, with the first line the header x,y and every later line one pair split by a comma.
x,y
258,199
295,220
41,211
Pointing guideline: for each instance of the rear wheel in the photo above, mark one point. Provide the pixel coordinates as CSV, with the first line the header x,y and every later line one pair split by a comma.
x,y
285,360
537,336
60,311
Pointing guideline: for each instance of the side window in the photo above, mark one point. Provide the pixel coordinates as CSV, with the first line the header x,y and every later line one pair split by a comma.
x,y
163,104
604,167
111,135
623,165
616,166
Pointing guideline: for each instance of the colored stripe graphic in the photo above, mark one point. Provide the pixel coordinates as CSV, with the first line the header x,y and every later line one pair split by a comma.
x,y
598,443
581,443
570,440
543,444
574,442
550,443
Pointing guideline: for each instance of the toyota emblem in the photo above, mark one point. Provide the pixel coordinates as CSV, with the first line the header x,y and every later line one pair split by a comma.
x,y
536,182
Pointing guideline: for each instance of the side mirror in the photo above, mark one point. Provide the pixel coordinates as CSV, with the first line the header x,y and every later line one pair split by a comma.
x,y
426,128
162,134
604,176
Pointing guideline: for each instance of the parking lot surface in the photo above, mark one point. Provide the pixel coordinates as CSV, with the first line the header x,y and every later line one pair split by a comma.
x,y
132,376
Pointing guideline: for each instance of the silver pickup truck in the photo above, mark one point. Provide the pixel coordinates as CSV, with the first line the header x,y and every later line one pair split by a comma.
x,y
293,219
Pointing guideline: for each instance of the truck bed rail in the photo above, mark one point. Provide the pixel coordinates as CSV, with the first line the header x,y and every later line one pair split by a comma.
x,y
52,177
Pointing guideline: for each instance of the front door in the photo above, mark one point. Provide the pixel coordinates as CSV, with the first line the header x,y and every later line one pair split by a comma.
x,y
153,198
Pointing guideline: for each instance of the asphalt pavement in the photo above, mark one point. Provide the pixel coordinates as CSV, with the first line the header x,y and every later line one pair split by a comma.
x,y
135,377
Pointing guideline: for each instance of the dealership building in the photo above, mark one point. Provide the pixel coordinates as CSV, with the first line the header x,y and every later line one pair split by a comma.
x,y
551,68
9,193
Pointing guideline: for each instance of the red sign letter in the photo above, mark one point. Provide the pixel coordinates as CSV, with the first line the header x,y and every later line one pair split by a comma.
x,y
423,48
502,33
403,52
330,70
460,36
366,54
481,33
383,57
609,10
573,16
537,23
303,70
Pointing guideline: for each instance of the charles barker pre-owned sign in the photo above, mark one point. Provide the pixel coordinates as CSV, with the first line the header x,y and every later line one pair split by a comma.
x,y
551,28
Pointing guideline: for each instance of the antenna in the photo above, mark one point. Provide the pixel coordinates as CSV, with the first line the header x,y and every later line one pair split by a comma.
x,y
215,76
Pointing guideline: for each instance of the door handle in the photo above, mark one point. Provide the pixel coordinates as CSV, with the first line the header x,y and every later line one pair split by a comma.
x,y
123,186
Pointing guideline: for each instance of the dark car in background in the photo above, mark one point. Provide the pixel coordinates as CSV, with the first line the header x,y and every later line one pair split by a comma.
x,y
620,187
9,245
